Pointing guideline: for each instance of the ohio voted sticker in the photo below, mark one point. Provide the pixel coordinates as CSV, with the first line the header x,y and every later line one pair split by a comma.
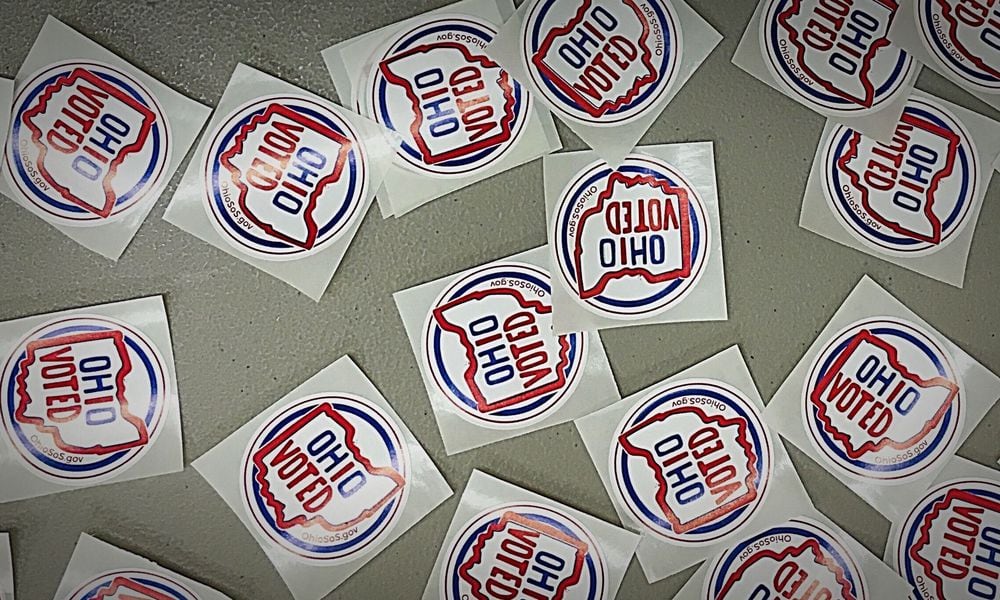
x,y
692,462
964,36
326,478
910,196
949,546
455,110
132,585
834,54
630,242
798,559
88,143
491,351
83,398
284,176
524,551
602,62
883,401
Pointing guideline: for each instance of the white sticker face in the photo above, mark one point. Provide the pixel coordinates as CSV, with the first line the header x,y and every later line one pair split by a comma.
x,y
602,62
949,546
630,242
796,559
132,585
692,462
488,344
910,196
882,401
284,177
87,144
456,111
834,54
964,35
326,478
524,551
83,398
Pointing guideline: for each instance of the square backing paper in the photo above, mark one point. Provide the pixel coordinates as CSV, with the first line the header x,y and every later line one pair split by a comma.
x,y
97,567
222,468
611,143
144,360
948,262
659,557
484,494
978,389
59,43
6,569
591,384
189,207
407,188
706,300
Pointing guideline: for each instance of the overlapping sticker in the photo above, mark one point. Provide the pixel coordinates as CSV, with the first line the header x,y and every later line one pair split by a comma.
x,y
6,569
958,38
607,68
833,57
460,118
881,399
689,463
89,396
948,544
93,141
638,244
100,571
491,364
507,542
282,180
325,479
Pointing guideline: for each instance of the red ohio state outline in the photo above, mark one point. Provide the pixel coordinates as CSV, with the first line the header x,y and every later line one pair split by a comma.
x,y
810,545
129,585
946,14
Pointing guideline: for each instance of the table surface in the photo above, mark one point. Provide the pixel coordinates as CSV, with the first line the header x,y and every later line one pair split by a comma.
x,y
243,339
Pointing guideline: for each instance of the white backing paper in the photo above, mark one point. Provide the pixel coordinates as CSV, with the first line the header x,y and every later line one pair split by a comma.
x,y
6,569
222,467
109,236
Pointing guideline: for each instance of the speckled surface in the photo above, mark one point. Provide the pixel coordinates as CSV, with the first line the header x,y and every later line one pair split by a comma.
x,y
242,339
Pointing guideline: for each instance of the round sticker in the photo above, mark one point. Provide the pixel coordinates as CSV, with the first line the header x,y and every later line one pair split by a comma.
x,y
141,585
632,242
834,55
692,461
911,196
797,559
602,62
883,401
524,551
83,398
326,477
948,544
490,350
964,37
88,144
455,110
285,176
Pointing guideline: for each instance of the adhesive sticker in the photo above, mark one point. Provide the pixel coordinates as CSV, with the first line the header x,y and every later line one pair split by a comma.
x,y
607,68
805,556
460,118
92,140
89,397
282,181
948,543
6,569
835,58
100,571
491,364
632,244
689,463
325,479
906,201
505,542
881,399
958,39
